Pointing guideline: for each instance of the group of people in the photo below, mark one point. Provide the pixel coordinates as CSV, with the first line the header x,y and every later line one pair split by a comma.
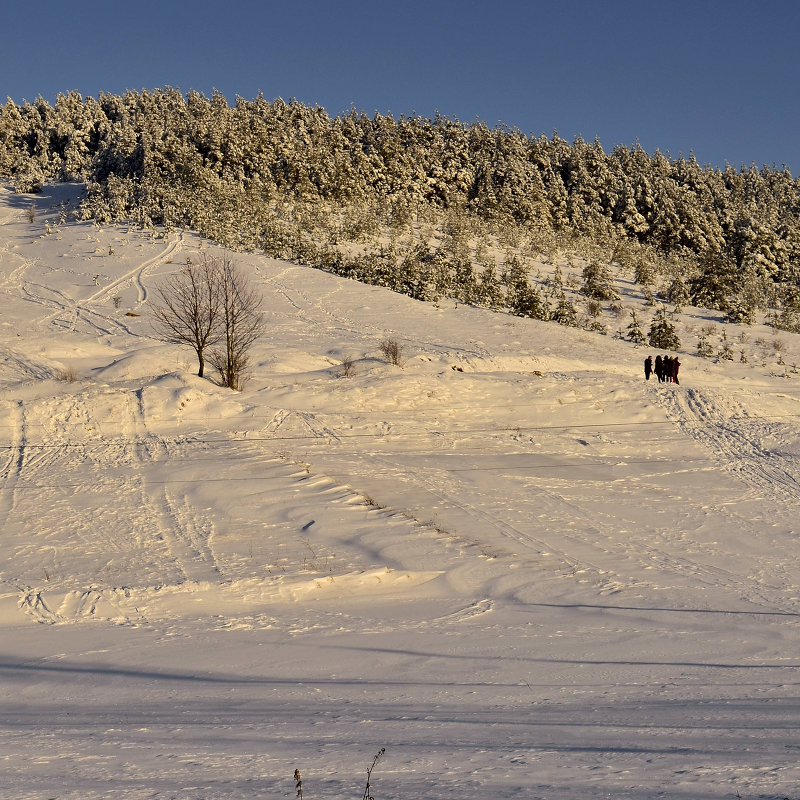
x,y
665,369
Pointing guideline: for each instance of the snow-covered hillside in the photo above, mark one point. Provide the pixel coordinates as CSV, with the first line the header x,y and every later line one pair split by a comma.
x,y
512,562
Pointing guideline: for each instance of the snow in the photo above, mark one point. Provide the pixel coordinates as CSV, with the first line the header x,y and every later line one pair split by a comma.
x,y
512,562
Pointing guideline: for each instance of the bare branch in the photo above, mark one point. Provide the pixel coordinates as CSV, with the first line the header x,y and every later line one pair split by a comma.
x,y
242,324
189,311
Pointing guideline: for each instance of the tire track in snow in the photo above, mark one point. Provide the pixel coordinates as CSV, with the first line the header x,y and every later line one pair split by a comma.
x,y
732,436
588,547
178,529
136,275
9,475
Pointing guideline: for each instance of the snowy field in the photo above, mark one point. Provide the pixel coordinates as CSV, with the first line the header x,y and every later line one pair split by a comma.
x,y
519,567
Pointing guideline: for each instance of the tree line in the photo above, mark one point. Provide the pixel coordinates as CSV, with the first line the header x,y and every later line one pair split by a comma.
x,y
292,181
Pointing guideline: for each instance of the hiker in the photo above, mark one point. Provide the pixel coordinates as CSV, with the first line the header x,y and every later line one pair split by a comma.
x,y
675,366
648,367
666,365
659,369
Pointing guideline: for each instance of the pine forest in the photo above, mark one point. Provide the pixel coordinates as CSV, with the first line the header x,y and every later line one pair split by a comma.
x,y
433,208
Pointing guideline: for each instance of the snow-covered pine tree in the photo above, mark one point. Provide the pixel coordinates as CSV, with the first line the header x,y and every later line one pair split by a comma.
x,y
522,299
678,293
714,284
598,282
634,333
489,292
704,348
725,352
662,333
644,274
564,312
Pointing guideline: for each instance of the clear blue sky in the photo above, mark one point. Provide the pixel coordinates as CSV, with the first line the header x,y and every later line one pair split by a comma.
x,y
720,78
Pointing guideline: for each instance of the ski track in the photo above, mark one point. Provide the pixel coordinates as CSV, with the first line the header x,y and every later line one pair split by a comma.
x,y
594,546
732,437
66,313
171,531
9,476
173,527
137,274
286,421
15,278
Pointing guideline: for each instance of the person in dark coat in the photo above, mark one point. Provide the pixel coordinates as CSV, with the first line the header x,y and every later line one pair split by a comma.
x,y
659,368
648,367
666,365
675,366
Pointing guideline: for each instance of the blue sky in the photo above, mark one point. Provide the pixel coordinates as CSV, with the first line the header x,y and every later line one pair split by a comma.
x,y
720,78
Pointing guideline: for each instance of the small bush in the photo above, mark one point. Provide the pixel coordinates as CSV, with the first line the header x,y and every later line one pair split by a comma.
x,y
68,374
392,351
347,368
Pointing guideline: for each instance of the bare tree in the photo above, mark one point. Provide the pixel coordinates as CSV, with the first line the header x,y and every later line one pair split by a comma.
x,y
189,312
241,323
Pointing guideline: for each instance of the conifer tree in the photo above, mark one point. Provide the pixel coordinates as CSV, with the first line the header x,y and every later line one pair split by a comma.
x,y
644,274
704,348
714,284
522,299
725,352
662,333
678,293
633,331
598,283
565,312
489,291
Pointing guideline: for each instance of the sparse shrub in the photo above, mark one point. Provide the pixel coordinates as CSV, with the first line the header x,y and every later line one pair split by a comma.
x,y
68,374
298,781
347,368
117,300
298,784
392,351
367,795
30,213
594,308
